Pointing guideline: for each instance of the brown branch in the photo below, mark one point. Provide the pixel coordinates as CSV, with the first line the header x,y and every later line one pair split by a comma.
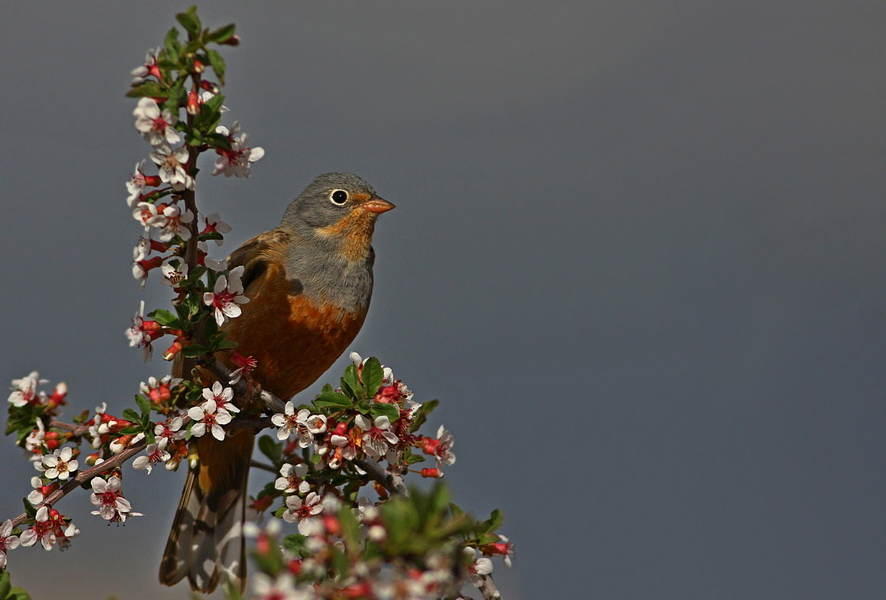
x,y
75,429
84,477
376,473
488,589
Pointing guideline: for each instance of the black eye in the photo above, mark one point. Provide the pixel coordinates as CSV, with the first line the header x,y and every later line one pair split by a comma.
x,y
339,197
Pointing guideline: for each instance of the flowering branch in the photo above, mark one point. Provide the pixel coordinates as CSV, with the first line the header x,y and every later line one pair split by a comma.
x,y
340,461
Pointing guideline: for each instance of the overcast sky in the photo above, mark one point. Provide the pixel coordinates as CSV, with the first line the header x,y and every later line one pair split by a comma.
x,y
637,253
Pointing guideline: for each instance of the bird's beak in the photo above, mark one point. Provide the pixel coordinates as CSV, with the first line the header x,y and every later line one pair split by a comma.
x,y
377,205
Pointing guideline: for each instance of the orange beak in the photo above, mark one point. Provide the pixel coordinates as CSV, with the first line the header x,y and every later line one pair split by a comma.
x,y
377,205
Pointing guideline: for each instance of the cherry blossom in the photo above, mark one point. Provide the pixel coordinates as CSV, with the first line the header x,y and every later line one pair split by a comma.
x,y
174,274
170,430
226,296
171,164
238,159
281,588
143,332
292,479
441,448
7,541
207,416
58,465
222,396
112,506
24,390
215,224
378,435
156,125
154,453
49,528
173,223
148,69
302,510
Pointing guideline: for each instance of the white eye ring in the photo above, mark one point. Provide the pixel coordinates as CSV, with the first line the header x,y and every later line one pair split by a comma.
x,y
338,197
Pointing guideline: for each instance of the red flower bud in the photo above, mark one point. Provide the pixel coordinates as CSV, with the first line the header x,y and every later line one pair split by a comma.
x,y
341,429
332,524
295,566
431,473
198,66
209,86
174,349
262,503
234,40
193,106
429,446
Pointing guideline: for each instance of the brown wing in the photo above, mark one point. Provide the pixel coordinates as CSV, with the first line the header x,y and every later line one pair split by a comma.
x,y
255,254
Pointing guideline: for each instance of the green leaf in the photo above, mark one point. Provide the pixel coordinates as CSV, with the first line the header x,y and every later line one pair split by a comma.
x,y
350,383
487,538
295,543
29,508
218,65
5,584
414,458
492,523
332,400
131,415
391,411
172,45
273,450
222,34
190,21
144,404
372,375
166,318
422,414
194,350
147,89
17,593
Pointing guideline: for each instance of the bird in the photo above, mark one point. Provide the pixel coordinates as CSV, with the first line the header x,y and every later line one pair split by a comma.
x,y
309,282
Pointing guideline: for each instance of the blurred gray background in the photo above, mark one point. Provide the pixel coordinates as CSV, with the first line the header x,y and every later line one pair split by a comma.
x,y
638,254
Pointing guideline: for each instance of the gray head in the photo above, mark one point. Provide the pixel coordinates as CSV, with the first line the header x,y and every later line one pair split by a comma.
x,y
335,204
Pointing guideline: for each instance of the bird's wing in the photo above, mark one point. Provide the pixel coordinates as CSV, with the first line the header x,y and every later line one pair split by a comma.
x,y
257,253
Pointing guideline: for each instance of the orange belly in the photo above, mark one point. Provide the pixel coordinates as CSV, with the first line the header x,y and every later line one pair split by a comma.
x,y
293,339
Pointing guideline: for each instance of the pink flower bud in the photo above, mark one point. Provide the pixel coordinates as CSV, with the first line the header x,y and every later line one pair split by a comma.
x,y
193,106
430,473
174,349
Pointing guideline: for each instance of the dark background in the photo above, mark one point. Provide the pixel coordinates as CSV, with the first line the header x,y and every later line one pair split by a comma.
x,y
638,253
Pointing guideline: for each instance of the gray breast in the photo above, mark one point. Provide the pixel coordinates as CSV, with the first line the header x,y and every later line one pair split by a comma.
x,y
329,277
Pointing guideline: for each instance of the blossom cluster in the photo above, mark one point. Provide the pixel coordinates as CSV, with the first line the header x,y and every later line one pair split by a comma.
x,y
178,114
415,547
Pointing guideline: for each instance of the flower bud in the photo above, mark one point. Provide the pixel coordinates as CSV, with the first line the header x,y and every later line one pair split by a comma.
x,y
431,473
193,106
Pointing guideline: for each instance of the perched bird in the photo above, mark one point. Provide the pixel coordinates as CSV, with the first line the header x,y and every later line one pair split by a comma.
x,y
309,282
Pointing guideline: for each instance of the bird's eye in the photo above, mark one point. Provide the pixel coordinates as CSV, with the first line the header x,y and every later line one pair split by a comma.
x,y
338,197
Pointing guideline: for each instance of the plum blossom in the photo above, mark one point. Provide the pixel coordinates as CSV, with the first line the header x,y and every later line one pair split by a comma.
x,y
281,588
49,528
24,390
173,223
172,165
148,69
302,510
137,183
292,479
441,448
143,332
208,416
226,296
170,430
304,424
58,465
154,453
222,396
7,541
238,159
112,506
156,125
378,435
174,274
215,224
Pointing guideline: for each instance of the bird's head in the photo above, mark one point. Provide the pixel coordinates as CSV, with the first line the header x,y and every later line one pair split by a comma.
x,y
337,210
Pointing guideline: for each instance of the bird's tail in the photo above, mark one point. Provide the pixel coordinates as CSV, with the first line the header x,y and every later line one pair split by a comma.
x,y
206,542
